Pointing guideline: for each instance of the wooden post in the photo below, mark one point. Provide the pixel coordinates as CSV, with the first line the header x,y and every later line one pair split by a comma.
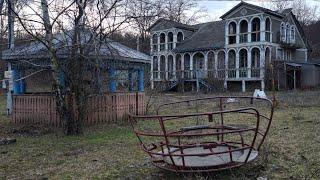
x,y
112,80
140,80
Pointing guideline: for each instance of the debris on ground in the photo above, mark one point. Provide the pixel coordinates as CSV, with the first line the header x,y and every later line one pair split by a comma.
x,y
6,141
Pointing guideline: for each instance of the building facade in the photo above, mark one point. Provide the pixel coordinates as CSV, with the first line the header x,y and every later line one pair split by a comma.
x,y
235,50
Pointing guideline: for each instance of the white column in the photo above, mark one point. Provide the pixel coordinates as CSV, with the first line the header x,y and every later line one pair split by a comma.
x,y
243,86
249,63
158,44
174,67
151,45
226,64
216,64
262,30
159,58
238,33
151,70
191,65
175,38
237,64
166,42
226,34
182,66
206,64
262,63
249,31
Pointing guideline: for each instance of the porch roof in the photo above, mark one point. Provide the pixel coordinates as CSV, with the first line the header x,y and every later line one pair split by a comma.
x,y
293,64
109,49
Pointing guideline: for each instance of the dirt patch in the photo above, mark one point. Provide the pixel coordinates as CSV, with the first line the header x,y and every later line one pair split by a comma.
x,y
30,130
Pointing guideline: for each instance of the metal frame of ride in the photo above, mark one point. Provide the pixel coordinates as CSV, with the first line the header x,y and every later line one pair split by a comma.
x,y
174,154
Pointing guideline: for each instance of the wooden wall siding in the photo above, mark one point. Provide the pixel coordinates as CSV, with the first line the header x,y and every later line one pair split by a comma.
x,y
108,108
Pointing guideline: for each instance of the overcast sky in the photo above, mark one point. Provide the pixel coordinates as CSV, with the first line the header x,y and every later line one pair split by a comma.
x,y
217,8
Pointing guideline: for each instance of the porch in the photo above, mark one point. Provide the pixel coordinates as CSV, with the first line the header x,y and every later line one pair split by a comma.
x,y
209,78
236,74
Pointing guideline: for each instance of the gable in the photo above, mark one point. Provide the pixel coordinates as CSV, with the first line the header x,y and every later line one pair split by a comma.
x,y
246,9
300,36
163,24
243,11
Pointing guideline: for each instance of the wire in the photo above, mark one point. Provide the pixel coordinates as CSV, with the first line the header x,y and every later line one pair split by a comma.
x,y
25,77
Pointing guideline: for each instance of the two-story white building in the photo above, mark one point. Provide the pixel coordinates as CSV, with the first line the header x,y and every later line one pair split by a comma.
x,y
236,51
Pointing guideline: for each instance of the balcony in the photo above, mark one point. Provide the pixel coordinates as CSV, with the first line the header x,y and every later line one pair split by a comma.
x,y
221,74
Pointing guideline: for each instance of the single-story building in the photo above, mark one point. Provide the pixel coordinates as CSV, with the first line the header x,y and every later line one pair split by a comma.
x,y
113,71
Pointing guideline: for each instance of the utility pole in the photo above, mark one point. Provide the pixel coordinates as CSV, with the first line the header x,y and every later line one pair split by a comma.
x,y
10,46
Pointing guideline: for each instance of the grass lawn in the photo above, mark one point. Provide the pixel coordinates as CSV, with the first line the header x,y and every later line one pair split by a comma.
x,y
292,149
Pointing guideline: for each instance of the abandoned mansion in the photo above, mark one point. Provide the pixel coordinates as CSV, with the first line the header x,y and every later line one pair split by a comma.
x,y
236,51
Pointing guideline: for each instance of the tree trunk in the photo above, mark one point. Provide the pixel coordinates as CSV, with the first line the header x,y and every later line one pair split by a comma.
x,y
64,99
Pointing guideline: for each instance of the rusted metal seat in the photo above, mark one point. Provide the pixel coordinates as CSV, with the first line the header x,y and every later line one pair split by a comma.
x,y
204,134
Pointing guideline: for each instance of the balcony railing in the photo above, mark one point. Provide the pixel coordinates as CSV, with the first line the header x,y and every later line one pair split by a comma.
x,y
170,45
232,74
162,46
155,48
243,38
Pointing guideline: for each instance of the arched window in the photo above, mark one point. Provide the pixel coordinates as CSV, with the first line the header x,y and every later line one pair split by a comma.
x,y
267,57
162,41
221,64
211,60
187,73
170,66
243,62
293,34
282,32
255,29
255,62
255,58
178,66
232,59
162,67
198,64
232,64
268,30
211,64
155,43
170,41
243,55
288,33
221,60
155,67
180,37
198,61
243,31
155,63
232,30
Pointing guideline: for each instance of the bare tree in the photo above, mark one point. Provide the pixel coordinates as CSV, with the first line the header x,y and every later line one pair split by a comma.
x,y
305,13
149,11
80,27
184,11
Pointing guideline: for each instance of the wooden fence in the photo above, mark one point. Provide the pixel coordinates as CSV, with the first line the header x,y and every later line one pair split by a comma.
x,y
108,108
